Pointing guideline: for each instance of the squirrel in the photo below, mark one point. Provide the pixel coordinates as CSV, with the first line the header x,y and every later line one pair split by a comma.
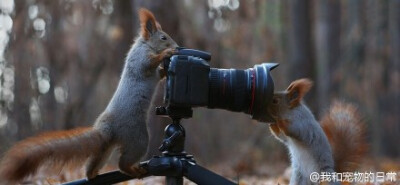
x,y
336,144
122,125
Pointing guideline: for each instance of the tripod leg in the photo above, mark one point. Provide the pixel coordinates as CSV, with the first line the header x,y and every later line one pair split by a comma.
x,y
174,180
108,178
202,176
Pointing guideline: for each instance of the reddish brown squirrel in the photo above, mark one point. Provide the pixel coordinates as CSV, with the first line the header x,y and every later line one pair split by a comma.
x,y
122,125
336,144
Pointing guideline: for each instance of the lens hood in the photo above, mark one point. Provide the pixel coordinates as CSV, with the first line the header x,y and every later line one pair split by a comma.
x,y
264,91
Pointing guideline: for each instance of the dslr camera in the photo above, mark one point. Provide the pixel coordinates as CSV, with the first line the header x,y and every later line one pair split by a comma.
x,y
191,82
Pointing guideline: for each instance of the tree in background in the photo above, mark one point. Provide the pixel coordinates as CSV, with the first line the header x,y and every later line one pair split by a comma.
x,y
64,58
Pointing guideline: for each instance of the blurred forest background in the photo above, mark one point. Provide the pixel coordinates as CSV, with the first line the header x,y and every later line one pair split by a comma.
x,y
60,62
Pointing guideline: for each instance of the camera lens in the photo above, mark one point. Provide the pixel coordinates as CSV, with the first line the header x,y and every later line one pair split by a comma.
x,y
248,91
192,83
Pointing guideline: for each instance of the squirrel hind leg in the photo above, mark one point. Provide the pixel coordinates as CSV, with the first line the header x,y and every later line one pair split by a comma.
x,y
127,161
95,163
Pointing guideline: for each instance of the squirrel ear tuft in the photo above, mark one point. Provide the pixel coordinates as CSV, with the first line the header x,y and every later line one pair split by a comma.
x,y
148,23
297,90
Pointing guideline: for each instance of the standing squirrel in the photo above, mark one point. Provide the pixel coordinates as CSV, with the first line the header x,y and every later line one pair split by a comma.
x,y
336,144
122,124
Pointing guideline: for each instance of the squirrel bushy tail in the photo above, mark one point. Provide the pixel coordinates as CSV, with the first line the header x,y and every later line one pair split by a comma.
x,y
345,130
55,149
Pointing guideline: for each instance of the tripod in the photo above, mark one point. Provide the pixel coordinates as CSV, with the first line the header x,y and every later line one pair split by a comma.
x,y
174,163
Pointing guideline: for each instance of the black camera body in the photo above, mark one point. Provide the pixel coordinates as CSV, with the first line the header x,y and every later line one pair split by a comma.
x,y
191,82
187,81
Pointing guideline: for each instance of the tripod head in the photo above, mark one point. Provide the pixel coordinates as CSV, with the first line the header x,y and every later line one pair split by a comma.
x,y
174,142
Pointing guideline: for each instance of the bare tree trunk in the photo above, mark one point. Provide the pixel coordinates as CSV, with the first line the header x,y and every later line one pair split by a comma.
x,y
22,50
300,58
373,72
394,33
327,50
391,107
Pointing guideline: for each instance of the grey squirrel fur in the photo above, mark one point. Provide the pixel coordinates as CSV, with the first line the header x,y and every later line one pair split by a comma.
x,y
313,146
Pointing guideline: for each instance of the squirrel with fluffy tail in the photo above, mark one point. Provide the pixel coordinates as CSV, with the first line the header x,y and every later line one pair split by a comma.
x,y
336,144
122,125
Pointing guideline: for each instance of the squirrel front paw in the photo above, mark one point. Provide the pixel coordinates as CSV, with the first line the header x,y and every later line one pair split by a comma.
x,y
168,52
274,128
276,131
280,127
156,59
284,126
289,129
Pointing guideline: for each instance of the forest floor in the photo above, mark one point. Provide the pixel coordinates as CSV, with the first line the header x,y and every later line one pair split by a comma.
x,y
263,174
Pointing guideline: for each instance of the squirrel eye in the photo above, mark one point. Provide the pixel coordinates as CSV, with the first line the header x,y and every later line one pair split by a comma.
x,y
163,37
